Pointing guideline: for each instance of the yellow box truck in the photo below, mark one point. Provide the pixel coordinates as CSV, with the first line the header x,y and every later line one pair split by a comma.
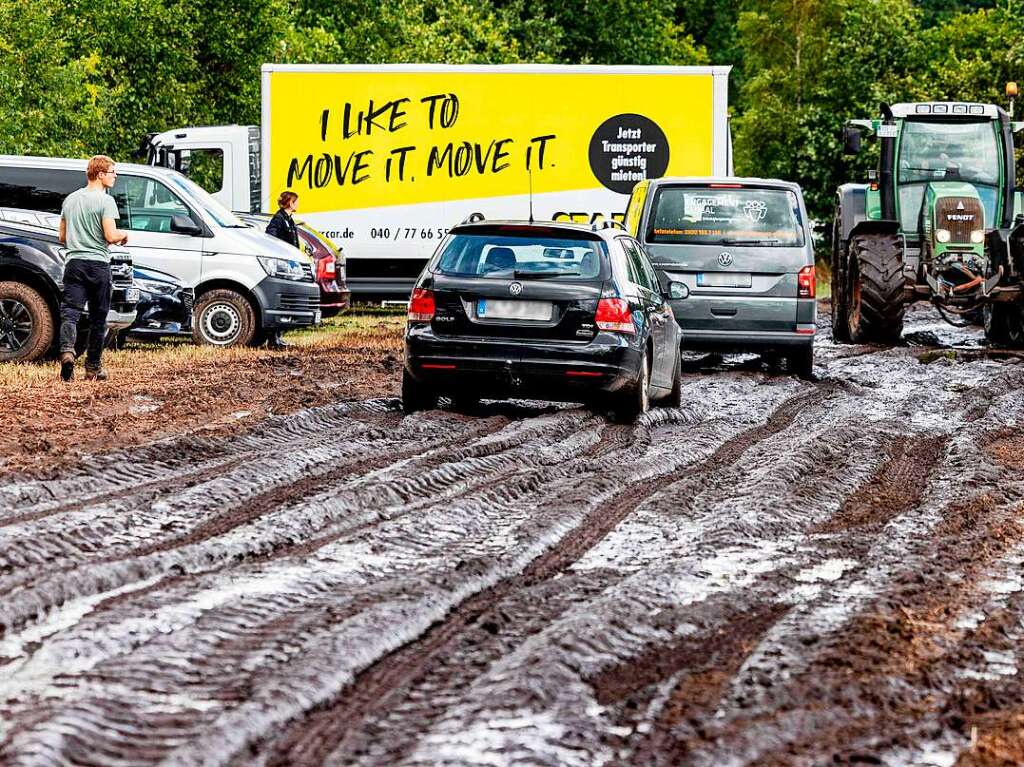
x,y
386,158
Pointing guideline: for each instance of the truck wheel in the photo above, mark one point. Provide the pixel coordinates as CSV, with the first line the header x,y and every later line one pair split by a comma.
x,y
223,318
874,281
416,396
1004,324
840,304
26,325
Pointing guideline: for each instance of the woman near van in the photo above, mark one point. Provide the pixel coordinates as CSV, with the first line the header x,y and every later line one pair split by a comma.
x,y
282,226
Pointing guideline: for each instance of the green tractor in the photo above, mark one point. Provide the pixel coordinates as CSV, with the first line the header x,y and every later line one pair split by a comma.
x,y
940,220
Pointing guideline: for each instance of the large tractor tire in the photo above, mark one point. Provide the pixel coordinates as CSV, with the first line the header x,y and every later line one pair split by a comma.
x,y
840,300
874,284
1004,324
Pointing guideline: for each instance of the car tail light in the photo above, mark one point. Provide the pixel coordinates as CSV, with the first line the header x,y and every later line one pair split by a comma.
x,y
421,305
326,268
805,282
613,314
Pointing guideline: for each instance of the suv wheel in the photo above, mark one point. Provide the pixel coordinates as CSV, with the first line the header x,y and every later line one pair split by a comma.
x,y
223,318
26,325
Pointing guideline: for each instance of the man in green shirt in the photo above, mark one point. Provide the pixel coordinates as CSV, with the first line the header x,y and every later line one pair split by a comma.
x,y
87,229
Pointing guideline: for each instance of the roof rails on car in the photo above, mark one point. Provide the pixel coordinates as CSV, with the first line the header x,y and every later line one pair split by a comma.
x,y
607,223
472,218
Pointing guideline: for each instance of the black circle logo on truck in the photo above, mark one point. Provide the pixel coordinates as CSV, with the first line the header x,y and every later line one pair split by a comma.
x,y
626,149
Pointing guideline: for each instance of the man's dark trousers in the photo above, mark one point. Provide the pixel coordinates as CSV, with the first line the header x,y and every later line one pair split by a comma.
x,y
85,282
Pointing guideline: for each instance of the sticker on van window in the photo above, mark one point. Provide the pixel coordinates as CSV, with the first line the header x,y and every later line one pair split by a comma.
x,y
755,210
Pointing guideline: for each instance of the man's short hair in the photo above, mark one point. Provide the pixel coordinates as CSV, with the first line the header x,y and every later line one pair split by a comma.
x,y
98,165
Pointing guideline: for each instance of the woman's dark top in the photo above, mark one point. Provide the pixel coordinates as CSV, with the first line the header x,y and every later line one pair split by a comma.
x,y
282,226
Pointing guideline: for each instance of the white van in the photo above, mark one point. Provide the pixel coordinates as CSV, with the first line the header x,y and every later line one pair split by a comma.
x,y
246,283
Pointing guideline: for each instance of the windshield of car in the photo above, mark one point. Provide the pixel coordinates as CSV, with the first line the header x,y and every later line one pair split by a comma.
x,y
521,256
725,216
931,151
209,203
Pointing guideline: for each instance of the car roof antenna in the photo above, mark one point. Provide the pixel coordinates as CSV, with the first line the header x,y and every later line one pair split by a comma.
x,y
529,176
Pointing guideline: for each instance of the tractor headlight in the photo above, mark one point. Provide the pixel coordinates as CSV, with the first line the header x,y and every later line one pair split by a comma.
x,y
942,235
978,236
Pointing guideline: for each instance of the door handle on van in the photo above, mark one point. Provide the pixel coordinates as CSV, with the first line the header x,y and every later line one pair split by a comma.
x,y
723,311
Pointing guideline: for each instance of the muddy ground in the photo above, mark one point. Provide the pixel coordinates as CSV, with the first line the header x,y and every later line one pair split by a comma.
x,y
780,572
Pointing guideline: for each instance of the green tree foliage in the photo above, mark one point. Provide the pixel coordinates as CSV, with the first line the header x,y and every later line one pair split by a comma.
x,y
51,100
810,65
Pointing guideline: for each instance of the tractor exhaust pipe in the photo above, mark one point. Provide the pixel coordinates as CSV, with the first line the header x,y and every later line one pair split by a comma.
x,y
886,184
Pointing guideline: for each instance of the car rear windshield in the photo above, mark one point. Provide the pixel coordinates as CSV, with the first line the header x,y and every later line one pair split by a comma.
x,y
503,255
726,216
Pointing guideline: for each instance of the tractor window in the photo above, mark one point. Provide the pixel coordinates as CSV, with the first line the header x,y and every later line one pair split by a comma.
x,y
946,151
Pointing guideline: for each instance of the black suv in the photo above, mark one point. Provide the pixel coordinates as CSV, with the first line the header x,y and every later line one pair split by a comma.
x,y
31,274
546,311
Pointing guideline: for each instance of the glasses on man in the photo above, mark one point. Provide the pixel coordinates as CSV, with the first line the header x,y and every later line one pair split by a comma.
x,y
109,172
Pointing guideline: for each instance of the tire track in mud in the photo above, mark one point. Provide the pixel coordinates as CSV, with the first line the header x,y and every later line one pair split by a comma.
x,y
25,593
324,732
874,688
560,428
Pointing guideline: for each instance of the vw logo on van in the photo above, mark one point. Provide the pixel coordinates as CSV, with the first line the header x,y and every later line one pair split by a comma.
x,y
515,289
725,259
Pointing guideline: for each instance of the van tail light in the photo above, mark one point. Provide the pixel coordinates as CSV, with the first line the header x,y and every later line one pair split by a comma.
x,y
805,282
421,305
613,315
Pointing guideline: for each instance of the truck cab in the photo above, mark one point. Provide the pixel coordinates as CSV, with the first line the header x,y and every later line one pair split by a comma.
x,y
223,159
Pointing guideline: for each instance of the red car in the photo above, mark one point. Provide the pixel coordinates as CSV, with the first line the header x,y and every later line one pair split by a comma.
x,y
335,297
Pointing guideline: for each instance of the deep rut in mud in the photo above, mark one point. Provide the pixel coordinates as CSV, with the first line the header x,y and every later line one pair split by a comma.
x,y
780,572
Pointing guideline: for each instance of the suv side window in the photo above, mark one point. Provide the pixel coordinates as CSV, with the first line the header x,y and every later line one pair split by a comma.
x,y
146,205
37,188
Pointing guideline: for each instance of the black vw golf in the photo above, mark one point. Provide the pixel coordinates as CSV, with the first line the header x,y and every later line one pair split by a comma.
x,y
546,310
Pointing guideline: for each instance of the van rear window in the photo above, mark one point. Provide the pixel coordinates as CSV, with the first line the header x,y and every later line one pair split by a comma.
x,y
501,256
725,216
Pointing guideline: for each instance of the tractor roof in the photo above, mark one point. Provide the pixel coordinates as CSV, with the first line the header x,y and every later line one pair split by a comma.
x,y
947,109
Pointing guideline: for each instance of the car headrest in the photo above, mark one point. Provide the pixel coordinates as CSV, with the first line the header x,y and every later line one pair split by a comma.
x,y
500,258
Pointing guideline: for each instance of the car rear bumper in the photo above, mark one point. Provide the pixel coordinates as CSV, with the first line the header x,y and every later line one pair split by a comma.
x,y
745,323
555,371
744,340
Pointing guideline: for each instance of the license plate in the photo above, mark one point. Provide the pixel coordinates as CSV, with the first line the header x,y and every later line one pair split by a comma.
x,y
131,295
316,317
723,280
497,309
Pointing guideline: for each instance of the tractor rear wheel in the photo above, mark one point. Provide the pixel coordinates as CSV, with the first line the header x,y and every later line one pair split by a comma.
x,y
874,283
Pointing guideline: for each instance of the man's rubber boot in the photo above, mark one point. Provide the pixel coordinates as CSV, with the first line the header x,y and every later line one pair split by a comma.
x,y
67,366
95,373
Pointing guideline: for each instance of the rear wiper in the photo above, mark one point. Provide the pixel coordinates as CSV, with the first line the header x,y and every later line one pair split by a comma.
x,y
738,241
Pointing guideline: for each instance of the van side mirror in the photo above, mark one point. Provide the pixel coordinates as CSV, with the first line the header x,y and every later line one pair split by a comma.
x,y
851,140
185,225
677,291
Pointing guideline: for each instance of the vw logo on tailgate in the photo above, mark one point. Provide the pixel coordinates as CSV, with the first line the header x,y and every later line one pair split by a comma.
x,y
725,259
515,289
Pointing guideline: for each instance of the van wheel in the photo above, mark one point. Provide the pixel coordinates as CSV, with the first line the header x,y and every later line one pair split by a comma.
x,y
223,318
26,325
635,400
801,362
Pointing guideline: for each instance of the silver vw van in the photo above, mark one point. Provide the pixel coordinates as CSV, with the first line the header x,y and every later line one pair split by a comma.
x,y
743,248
